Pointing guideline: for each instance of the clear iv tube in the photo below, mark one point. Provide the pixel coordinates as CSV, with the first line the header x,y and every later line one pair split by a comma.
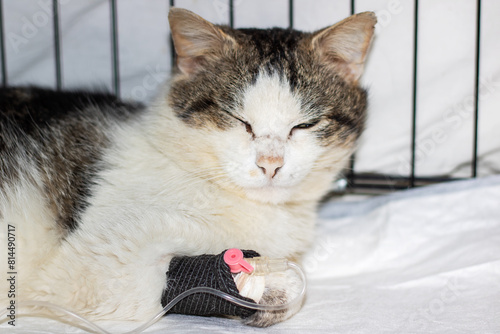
x,y
178,298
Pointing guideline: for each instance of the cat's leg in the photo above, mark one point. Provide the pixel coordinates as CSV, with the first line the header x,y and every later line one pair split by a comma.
x,y
29,235
103,281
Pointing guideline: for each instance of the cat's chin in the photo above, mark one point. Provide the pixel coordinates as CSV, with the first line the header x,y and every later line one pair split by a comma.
x,y
269,194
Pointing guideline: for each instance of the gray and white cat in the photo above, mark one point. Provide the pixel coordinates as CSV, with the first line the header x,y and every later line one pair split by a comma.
x,y
235,152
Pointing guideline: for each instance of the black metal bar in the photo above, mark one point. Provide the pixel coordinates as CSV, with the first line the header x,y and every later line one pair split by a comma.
x,y
350,175
2,47
114,47
476,88
57,44
231,13
390,177
172,46
290,14
414,110
379,183
377,186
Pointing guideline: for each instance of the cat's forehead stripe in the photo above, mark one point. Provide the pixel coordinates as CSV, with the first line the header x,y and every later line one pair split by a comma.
x,y
276,49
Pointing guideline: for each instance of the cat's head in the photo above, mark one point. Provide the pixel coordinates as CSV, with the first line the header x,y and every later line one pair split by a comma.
x,y
272,114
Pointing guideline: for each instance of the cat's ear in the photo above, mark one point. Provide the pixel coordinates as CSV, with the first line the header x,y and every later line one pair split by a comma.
x,y
344,45
195,39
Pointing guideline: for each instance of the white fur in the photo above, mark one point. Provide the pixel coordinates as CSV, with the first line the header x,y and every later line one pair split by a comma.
x,y
173,190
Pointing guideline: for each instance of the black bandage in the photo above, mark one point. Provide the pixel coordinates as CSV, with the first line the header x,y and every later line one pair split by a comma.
x,y
188,272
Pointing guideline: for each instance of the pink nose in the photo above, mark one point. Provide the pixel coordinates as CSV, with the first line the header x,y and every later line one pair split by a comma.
x,y
270,165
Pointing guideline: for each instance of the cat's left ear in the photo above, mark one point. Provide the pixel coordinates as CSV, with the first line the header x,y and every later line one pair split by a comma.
x,y
343,46
195,39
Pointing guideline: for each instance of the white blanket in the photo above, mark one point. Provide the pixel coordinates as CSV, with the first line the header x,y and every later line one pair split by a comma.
x,y
419,261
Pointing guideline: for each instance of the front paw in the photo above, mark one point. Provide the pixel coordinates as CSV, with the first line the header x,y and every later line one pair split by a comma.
x,y
276,288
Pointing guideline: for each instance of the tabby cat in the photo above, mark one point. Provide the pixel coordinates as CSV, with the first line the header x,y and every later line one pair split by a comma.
x,y
236,151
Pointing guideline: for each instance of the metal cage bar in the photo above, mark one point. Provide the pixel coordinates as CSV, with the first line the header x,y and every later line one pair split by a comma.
x,y
57,44
231,13
290,14
172,47
476,88
352,159
114,48
414,97
2,46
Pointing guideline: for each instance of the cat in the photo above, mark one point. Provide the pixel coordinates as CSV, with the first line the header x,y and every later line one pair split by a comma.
x,y
236,151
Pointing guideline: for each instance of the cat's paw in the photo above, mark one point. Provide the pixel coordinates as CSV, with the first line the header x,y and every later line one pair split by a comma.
x,y
278,288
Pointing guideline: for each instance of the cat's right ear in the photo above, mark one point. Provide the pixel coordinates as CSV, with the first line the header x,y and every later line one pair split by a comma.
x,y
195,39
343,47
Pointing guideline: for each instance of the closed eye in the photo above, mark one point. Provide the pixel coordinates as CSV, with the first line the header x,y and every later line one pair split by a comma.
x,y
247,125
304,126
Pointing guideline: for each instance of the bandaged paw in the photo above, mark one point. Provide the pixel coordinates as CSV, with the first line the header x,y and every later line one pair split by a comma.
x,y
187,272
271,285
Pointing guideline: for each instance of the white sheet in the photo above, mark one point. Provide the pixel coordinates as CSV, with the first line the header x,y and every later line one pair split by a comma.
x,y
419,261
